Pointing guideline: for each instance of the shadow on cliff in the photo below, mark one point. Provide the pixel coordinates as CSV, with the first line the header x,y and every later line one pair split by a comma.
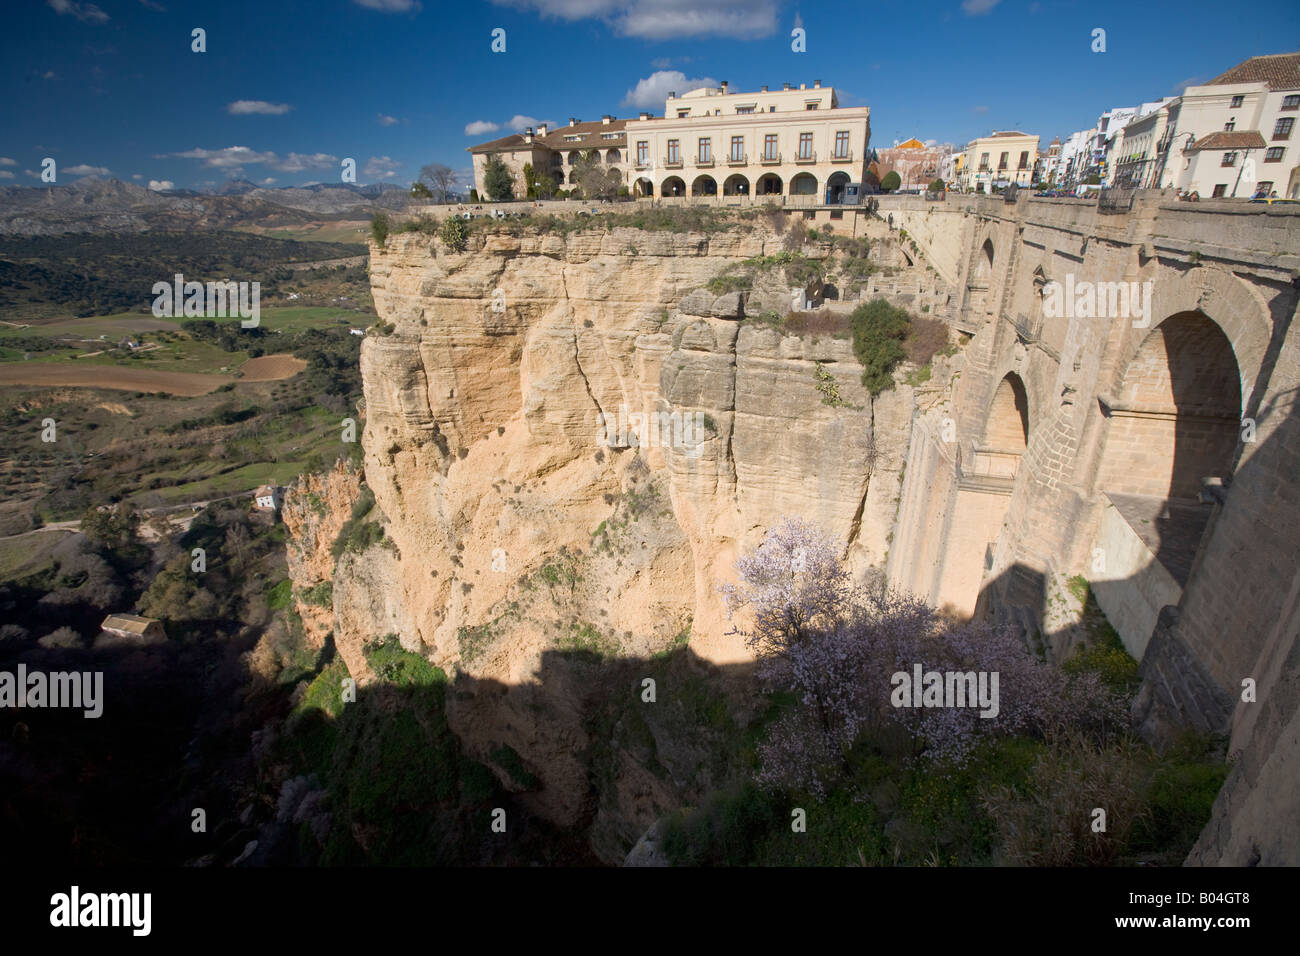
x,y
575,764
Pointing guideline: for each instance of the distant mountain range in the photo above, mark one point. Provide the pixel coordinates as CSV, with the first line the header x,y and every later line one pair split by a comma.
x,y
110,205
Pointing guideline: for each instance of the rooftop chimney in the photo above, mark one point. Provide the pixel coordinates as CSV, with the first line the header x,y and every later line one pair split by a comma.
x,y
785,86
605,120
541,130
803,86
573,121
724,87
672,94
528,135
762,89
817,84
644,115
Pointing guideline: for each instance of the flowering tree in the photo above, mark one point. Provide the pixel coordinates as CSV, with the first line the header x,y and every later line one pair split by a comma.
x,y
838,649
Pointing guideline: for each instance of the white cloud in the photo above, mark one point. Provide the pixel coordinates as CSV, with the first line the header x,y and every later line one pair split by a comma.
x,y
136,176
158,185
153,6
981,109
258,107
223,158
268,181
6,161
297,162
519,122
976,8
651,92
388,120
32,173
390,6
380,167
233,157
85,12
5,174
479,127
665,19
49,75
84,170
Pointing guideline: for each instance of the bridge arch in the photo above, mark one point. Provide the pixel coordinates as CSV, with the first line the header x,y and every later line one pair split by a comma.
x,y
1175,415
1006,427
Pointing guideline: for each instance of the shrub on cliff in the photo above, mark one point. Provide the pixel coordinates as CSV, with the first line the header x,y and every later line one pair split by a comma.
x,y
379,228
891,181
454,233
878,333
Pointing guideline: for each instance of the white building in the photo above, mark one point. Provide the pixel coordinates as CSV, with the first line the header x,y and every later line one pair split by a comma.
x,y
712,141
1236,135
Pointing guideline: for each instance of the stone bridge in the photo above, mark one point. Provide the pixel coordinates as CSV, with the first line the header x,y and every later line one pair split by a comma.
x,y
1147,444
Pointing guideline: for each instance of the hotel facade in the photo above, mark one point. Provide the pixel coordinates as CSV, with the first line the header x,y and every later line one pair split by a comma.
x,y
710,142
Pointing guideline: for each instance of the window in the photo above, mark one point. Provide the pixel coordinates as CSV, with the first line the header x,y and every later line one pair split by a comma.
x,y
1229,159
984,161
1002,162
744,110
837,213
1220,191
809,214
674,151
1236,101
575,139
810,106
771,109
1024,159
1274,154
1291,102
769,146
682,114
737,148
842,143
1265,187
1283,128
642,152
1229,126
706,149
805,145
610,135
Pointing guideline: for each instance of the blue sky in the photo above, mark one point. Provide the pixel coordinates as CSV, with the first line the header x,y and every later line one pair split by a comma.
x,y
287,89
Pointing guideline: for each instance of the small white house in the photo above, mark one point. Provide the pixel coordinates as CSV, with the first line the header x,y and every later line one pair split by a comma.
x,y
267,498
357,331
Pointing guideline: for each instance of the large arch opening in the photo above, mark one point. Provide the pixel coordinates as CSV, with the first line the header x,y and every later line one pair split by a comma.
x,y
805,184
769,184
1176,417
735,185
644,187
984,261
1007,426
673,186
613,156
704,186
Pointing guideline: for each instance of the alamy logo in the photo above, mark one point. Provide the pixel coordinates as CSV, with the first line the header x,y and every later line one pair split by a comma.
x,y
79,690
626,429
946,689
1087,300
134,910
210,300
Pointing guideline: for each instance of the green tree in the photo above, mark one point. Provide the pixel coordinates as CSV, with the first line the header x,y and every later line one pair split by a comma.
x,y
530,181
497,181
438,179
113,528
938,186
878,332
891,181
420,191
546,186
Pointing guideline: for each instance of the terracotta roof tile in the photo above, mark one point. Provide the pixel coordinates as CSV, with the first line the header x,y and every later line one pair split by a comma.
x,y
1236,139
1280,71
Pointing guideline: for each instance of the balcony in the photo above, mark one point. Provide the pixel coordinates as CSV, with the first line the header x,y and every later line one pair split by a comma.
x,y
842,157
805,159
674,163
704,162
734,160
770,160
642,162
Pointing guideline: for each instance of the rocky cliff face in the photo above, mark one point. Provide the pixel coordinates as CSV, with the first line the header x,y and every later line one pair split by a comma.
x,y
521,532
